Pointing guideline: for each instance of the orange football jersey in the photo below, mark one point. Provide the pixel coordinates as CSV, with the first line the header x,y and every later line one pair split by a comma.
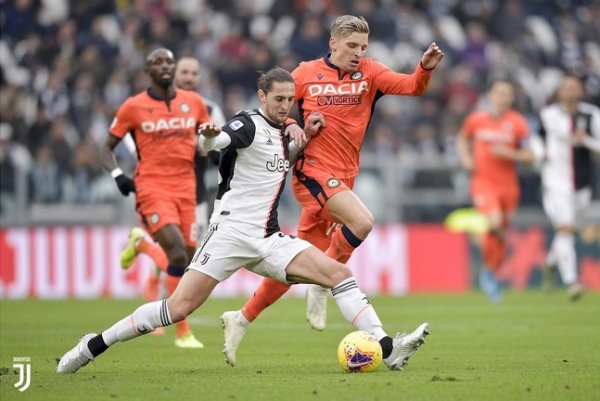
x,y
165,135
347,101
486,131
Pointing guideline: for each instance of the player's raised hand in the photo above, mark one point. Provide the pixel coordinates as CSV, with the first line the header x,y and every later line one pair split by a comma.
x,y
432,56
313,123
209,129
296,134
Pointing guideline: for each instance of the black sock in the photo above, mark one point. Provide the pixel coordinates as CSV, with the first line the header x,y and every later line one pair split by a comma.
x,y
97,345
386,346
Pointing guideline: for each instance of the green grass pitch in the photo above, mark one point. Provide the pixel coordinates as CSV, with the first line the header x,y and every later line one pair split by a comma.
x,y
531,346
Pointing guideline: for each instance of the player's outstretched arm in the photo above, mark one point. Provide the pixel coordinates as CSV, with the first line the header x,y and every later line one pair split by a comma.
x,y
109,162
212,137
432,56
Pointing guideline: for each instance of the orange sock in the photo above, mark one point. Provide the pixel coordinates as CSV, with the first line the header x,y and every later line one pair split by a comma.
x,y
182,327
153,250
267,293
343,243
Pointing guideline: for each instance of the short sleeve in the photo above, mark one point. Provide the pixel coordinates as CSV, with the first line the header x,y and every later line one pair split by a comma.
x,y
123,122
241,129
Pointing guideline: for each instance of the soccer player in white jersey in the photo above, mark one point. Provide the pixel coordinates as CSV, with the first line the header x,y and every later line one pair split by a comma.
x,y
568,134
244,232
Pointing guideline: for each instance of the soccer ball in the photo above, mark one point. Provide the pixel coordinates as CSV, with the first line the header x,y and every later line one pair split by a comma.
x,y
359,351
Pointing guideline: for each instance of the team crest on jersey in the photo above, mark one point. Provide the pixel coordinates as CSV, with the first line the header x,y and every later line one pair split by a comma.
x,y
333,183
185,108
356,75
236,125
155,218
205,258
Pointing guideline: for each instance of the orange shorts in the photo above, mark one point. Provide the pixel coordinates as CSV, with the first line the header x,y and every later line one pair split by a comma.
x,y
489,198
157,207
312,188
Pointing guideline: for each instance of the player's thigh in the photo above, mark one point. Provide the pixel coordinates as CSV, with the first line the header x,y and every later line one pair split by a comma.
x,y
509,199
346,208
156,209
186,207
583,199
313,188
170,239
222,253
313,266
276,252
315,230
559,207
487,202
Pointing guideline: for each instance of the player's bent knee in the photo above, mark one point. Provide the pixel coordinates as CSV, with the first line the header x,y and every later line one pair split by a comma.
x,y
339,274
362,226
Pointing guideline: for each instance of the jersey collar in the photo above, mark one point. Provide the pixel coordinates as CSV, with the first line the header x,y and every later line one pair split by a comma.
x,y
327,61
159,99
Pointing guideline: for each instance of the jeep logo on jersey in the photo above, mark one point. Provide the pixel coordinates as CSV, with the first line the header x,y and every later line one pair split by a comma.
x,y
347,88
278,164
171,123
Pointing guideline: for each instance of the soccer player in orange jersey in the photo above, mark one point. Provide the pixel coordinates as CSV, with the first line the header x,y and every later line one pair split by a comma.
x,y
489,143
187,76
163,122
343,86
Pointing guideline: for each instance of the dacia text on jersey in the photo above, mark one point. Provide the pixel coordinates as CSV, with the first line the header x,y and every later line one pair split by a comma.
x,y
341,94
175,123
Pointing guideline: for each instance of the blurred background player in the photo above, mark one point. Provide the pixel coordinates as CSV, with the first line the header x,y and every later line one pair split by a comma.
x,y
187,76
569,132
165,185
343,86
489,143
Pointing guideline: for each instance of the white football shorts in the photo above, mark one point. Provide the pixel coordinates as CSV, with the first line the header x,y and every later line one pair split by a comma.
x,y
564,208
225,250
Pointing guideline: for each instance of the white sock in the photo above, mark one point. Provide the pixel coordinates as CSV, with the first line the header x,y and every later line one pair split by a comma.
x,y
357,309
241,319
143,320
564,250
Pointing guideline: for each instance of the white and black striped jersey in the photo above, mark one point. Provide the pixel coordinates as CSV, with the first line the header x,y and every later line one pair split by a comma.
x,y
567,168
252,172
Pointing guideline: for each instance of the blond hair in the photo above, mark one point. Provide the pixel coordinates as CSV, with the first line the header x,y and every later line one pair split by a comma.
x,y
346,25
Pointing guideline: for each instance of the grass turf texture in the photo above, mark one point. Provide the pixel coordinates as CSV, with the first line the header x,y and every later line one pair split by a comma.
x,y
531,346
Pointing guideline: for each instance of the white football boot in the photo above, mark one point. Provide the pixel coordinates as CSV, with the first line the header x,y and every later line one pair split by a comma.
x,y
316,306
77,357
234,332
406,344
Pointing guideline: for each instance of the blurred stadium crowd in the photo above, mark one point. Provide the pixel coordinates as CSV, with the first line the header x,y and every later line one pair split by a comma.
x,y
65,66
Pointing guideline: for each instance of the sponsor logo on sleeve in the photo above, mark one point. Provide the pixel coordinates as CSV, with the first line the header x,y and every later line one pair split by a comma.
x,y
236,125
